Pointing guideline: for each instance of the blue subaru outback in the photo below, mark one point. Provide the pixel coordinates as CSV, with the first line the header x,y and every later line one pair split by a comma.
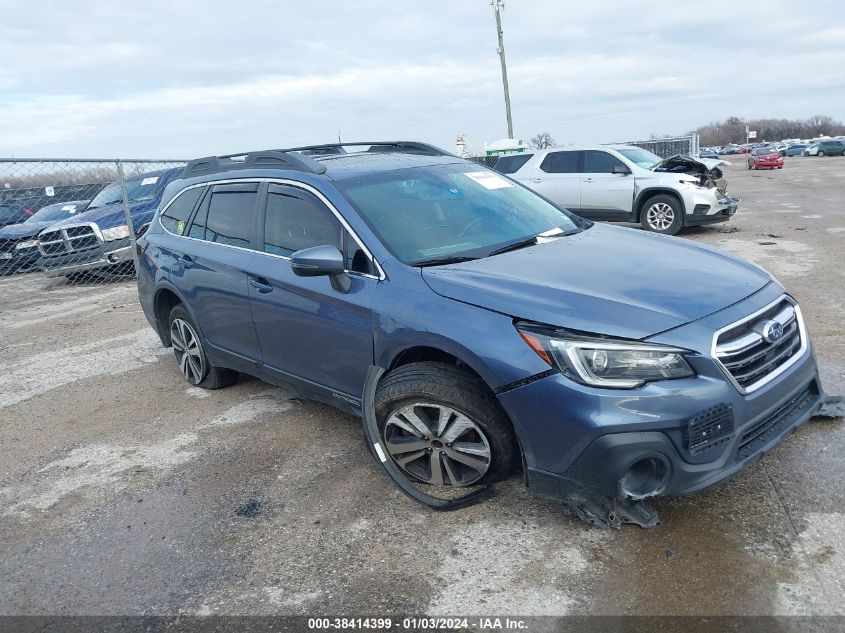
x,y
477,328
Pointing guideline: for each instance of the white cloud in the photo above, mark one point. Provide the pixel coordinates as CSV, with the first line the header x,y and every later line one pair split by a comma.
x,y
183,79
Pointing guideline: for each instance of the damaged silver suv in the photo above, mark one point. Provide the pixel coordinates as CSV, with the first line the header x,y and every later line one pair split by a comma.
x,y
624,183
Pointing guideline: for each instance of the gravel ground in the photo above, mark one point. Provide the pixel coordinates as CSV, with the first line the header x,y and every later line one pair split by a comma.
x,y
124,492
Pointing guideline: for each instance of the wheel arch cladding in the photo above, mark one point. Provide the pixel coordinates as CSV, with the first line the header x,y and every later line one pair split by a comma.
x,y
647,194
165,300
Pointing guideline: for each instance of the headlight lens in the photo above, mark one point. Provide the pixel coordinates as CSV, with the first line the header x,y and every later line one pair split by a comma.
x,y
116,233
27,244
606,362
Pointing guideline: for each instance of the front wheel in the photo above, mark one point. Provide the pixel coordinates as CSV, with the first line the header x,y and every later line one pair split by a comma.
x,y
662,214
821,153
441,426
190,354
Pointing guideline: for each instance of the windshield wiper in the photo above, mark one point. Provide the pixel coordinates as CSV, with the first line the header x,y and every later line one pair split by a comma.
x,y
439,261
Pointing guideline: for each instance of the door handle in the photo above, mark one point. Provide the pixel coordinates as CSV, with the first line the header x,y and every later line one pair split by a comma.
x,y
186,260
536,180
261,285
588,180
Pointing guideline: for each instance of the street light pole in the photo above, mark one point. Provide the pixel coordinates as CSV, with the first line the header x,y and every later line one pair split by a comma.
x,y
498,6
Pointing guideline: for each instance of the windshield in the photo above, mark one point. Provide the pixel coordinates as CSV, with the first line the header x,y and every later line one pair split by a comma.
x,y
450,211
137,190
56,212
640,157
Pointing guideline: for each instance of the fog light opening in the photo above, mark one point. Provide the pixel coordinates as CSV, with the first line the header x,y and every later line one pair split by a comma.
x,y
113,258
645,478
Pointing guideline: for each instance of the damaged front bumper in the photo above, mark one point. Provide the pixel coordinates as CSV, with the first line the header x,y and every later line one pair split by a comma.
x,y
603,451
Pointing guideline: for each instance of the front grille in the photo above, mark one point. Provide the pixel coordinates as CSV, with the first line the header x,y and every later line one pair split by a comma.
x,y
748,357
69,240
7,246
760,433
710,428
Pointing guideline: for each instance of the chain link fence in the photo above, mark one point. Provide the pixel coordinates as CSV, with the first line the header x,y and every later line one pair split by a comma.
x,y
666,147
76,220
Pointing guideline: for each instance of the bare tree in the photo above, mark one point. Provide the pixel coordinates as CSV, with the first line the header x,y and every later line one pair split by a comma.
x,y
732,129
542,141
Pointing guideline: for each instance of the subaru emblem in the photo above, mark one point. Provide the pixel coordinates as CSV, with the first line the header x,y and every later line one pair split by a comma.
x,y
772,331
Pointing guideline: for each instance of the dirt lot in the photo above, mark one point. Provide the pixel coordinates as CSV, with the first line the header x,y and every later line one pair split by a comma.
x,y
124,492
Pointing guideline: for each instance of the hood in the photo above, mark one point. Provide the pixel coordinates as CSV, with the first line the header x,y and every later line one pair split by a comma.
x,y
113,215
689,165
23,230
604,280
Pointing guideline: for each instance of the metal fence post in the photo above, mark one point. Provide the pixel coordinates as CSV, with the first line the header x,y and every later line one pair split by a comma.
x,y
128,215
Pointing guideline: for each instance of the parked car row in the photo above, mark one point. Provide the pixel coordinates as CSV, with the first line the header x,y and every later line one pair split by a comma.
x,y
477,327
821,147
80,236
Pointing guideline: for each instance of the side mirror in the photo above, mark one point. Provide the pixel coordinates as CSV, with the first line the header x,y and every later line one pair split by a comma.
x,y
622,170
320,261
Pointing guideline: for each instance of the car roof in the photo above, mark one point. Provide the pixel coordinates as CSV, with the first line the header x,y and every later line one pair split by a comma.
x,y
352,165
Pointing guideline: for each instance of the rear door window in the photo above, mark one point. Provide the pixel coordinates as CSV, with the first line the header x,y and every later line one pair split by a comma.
x,y
561,162
598,162
511,164
175,217
229,215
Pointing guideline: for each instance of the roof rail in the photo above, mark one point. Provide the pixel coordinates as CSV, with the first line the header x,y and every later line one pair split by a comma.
x,y
409,147
268,159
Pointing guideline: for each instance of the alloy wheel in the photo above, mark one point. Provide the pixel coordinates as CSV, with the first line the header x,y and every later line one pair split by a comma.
x,y
188,351
437,445
660,216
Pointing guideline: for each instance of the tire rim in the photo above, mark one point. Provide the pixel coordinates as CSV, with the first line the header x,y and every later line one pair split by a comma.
x,y
188,350
437,445
660,216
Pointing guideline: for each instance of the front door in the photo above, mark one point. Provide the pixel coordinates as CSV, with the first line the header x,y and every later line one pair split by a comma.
x,y
604,194
306,328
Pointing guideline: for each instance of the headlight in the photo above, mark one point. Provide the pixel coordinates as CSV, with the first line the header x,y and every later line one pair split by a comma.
x,y
616,364
115,233
28,244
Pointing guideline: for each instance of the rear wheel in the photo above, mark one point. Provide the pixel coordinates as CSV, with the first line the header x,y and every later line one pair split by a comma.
x,y
442,427
662,214
190,354
821,153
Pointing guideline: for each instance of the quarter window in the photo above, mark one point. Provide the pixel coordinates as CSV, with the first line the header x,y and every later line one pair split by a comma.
x,y
560,163
511,164
596,162
175,218
296,220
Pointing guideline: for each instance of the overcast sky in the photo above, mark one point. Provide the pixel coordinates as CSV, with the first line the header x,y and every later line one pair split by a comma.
x,y
182,79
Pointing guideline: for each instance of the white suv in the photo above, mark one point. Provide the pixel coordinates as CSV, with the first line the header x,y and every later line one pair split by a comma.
x,y
626,184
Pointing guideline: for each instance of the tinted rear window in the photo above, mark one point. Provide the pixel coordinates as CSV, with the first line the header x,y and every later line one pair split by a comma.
x,y
560,163
511,164
296,220
176,215
230,218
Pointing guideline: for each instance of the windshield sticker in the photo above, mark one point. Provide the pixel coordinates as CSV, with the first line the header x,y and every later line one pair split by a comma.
x,y
149,181
488,180
49,191
69,207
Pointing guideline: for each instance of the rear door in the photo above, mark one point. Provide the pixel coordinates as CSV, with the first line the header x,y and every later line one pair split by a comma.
x,y
605,195
307,329
557,178
210,267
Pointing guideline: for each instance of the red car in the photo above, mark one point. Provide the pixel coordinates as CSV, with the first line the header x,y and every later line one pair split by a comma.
x,y
765,157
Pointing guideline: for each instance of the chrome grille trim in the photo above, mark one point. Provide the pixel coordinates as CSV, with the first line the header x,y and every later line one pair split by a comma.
x,y
728,355
69,237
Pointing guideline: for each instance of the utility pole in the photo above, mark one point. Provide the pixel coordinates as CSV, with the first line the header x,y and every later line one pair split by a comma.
x,y
498,6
